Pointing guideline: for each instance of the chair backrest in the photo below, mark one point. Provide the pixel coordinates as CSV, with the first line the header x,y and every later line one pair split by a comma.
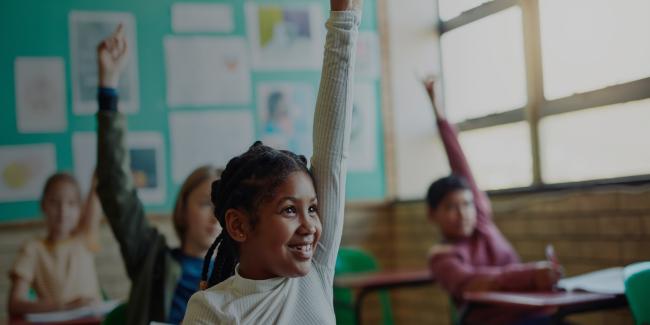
x,y
637,290
354,260
116,316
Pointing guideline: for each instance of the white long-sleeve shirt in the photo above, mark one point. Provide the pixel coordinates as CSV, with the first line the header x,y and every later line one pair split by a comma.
x,y
307,299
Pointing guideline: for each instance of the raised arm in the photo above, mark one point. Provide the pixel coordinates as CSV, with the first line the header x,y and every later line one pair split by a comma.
x,y
115,187
457,160
91,214
332,122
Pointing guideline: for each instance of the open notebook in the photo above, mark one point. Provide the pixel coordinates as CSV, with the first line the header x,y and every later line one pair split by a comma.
x,y
609,281
100,309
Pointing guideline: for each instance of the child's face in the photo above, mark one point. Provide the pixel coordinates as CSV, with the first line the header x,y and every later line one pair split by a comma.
x,y
202,227
288,229
455,214
62,208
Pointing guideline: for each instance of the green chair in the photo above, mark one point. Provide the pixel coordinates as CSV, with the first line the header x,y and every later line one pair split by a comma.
x,y
353,260
116,316
637,290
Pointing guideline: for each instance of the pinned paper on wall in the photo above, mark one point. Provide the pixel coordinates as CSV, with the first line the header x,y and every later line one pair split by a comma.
x,y
286,115
207,71
202,17
367,63
363,147
147,162
211,137
24,170
87,29
40,94
285,36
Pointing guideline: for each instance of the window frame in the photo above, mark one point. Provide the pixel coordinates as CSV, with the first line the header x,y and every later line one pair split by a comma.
x,y
537,106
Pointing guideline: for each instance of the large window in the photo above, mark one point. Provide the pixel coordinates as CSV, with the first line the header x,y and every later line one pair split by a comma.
x,y
548,91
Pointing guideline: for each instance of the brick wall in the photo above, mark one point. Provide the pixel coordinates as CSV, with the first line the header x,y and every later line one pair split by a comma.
x,y
591,229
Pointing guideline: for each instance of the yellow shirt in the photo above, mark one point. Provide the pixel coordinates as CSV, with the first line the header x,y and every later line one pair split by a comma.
x,y
59,272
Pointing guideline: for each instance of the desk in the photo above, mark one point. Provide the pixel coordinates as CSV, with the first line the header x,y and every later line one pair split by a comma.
x,y
93,320
365,283
566,302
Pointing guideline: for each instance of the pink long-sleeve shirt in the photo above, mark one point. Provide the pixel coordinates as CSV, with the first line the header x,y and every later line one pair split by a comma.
x,y
486,254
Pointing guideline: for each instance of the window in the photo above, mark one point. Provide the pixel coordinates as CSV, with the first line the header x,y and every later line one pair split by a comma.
x,y
548,91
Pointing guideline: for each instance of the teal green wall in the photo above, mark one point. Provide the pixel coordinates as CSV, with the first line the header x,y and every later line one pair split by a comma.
x,y
40,28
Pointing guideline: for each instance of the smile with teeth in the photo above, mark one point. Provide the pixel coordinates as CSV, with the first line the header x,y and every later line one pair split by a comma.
x,y
302,250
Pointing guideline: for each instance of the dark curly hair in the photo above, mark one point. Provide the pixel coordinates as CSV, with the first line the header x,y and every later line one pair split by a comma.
x,y
443,186
246,182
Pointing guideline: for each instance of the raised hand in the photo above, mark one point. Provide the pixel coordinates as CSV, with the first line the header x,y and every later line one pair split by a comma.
x,y
112,55
429,83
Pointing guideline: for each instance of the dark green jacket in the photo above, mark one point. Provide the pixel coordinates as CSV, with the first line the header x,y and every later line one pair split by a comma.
x,y
154,273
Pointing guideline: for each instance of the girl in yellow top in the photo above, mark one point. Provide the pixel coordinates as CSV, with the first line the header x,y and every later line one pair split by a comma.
x,y
59,267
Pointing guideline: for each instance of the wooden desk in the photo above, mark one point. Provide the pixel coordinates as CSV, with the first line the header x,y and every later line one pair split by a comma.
x,y
566,302
94,320
365,283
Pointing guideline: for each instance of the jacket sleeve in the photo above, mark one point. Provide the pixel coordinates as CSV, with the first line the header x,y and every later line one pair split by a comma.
x,y
117,192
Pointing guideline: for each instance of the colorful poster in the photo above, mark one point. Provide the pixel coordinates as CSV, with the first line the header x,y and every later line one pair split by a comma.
x,y
24,170
87,29
209,137
288,36
207,71
286,115
40,94
147,161
367,64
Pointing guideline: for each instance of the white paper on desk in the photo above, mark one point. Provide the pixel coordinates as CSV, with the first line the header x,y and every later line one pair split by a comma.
x,y
363,147
211,137
367,63
202,17
608,281
40,94
287,36
87,29
24,170
147,161
207,71
99,309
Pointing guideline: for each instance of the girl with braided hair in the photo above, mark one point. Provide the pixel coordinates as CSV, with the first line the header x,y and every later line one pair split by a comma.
x,y
282,222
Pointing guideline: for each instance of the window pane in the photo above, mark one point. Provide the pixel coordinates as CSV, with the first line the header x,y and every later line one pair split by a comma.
x,y
452,8
500,155
591,44
604,142
483,66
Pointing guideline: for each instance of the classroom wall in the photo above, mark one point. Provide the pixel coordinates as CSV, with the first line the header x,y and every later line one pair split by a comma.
x,y
40,28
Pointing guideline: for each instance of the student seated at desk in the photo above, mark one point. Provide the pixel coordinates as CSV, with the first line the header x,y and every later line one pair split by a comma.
x,y
474,255
162,278
60,268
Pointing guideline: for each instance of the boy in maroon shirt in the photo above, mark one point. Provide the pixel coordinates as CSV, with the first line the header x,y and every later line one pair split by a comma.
x,y
474,255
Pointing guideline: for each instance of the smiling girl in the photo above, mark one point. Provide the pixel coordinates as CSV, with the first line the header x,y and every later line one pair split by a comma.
x,y
283,221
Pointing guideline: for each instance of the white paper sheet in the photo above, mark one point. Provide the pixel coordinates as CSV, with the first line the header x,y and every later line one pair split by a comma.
x,y
285,36
147,160
87,29
286,115
40,94
367,64
212,137
363,144
24,170
99,309
202,17
608,281
207,71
